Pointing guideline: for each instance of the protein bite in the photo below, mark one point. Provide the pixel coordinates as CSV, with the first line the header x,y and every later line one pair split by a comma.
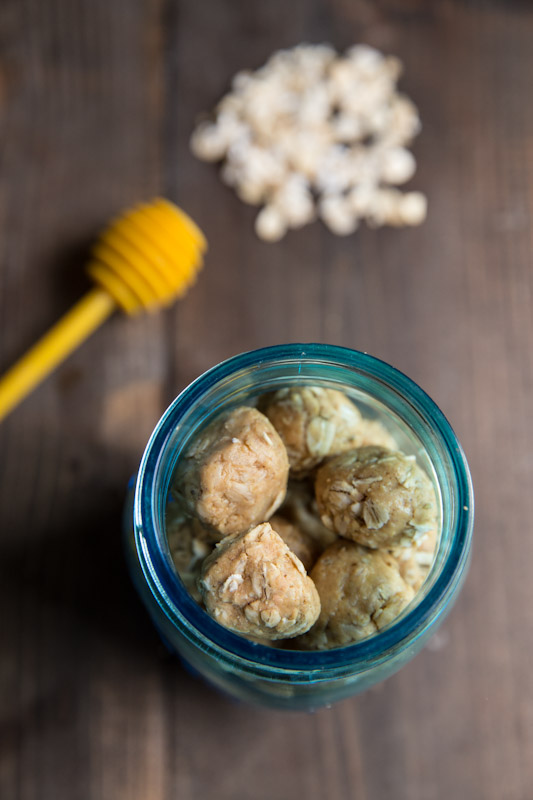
x,y
301,543
414,562
410,570
313,423
254,585
189,543
360,591
376,497
234,476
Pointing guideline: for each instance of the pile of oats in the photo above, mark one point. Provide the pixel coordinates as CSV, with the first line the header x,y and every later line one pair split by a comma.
x,y
315,133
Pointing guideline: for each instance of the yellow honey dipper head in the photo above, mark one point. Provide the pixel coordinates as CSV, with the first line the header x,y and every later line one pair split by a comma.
x,y
148,256
145,259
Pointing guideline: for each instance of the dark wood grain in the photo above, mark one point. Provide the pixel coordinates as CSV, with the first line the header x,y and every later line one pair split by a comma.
x,y
97,101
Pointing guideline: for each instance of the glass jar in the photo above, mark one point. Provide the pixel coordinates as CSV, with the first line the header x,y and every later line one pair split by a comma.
x,y
254,672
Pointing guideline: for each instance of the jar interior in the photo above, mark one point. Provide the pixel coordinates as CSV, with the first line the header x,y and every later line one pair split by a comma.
x,y
376,399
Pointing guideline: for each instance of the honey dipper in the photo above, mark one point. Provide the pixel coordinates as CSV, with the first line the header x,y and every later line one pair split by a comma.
x,y
147,257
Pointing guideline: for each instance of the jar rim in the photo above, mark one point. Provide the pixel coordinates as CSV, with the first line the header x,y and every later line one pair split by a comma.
x,y
196,625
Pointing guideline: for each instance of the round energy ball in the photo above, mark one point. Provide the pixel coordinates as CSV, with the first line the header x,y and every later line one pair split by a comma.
x,y
235,474
376,497
254,585
313,423
360,592
415,562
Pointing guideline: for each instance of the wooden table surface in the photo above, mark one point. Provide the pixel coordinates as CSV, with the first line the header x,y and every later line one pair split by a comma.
x,y
97,102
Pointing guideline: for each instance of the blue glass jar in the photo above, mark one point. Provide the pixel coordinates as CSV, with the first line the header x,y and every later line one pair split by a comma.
x,y
254,672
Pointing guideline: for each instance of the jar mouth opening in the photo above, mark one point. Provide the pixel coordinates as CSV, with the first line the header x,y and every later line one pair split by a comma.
x,y
194,623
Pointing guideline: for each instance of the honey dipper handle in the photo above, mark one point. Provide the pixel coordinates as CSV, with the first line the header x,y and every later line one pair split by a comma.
x,y
69,332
